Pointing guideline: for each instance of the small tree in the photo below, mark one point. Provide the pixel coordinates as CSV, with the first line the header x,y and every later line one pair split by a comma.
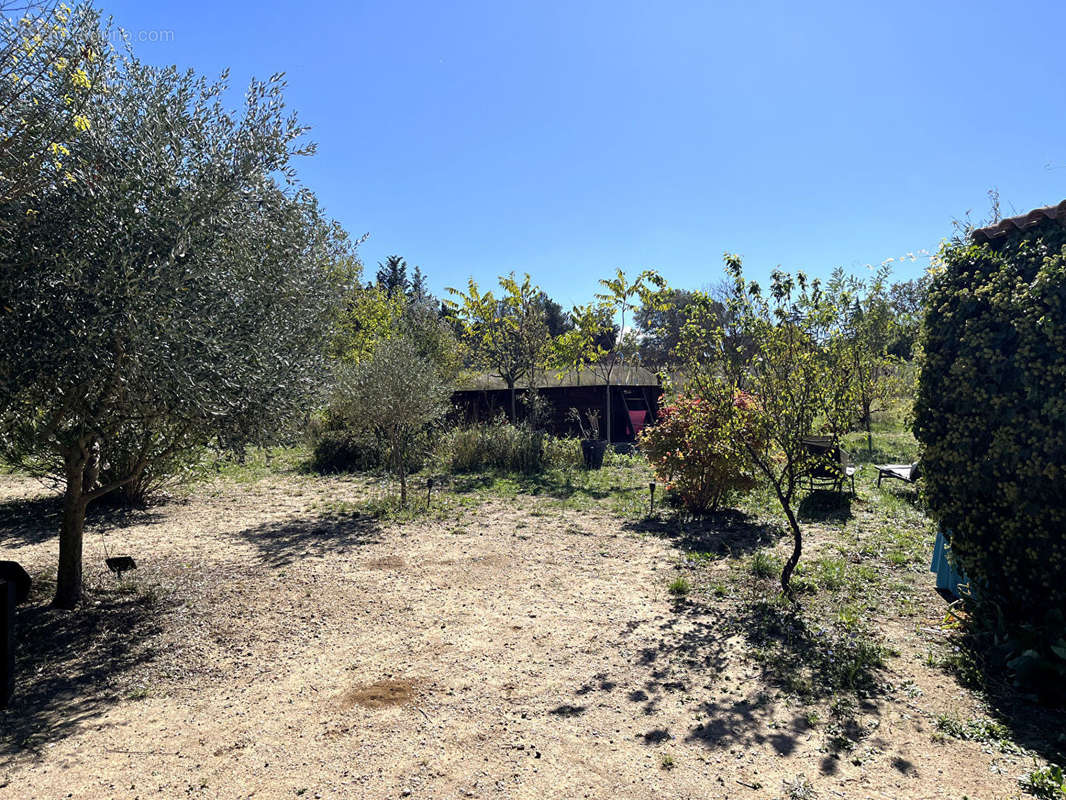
x,y
395,396
869,330
172,288
506,336
792,378
595,342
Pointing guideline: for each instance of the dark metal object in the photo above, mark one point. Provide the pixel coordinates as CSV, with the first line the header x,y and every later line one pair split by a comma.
x,y
651,498
13,573
832,466
120,564
7,642
592,451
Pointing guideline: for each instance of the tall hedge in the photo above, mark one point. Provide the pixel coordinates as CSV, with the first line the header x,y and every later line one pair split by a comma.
x,y
991,416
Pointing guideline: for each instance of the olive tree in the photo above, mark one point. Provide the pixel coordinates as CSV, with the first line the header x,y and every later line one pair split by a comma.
x,y
869,330
51,61
177,288
394,396
789,375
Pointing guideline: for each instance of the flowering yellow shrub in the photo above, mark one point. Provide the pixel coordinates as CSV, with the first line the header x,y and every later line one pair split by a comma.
x,y
991,416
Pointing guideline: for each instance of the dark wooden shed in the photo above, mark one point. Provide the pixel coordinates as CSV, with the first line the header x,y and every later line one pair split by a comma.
x,y
635,396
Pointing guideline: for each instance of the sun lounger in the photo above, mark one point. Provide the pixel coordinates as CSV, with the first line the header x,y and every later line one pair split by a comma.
x,y
908,473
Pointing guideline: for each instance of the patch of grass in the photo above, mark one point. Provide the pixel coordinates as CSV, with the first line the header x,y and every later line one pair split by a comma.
x,y
258,463
764,564
960,662
799,788
679,586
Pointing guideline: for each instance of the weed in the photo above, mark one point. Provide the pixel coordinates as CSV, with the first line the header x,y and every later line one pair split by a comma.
x,y
679,586
666,761
799,788
764,565
1047,784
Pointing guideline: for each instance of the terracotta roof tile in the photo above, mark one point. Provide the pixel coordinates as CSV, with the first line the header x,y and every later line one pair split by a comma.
x,y
994,233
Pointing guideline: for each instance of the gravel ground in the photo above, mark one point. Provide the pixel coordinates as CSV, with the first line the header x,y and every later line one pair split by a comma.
x,y
264,649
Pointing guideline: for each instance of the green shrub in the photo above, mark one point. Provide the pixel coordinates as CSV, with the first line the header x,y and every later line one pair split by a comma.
x,y
991,416
497,445
563,452
690,449
343,451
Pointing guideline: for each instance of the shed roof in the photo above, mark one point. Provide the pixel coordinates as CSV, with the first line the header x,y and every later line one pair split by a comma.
x,y
623,375
994,233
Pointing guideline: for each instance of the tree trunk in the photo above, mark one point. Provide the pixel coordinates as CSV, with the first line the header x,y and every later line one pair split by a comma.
x,y
797,550
68,583
400,459
607,418
514,407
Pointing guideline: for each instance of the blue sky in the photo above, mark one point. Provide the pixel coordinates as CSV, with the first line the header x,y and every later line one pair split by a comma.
x,y
567,139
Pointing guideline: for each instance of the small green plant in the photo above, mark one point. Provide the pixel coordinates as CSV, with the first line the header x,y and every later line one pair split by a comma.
x,y
666,761
1047,784
799,788
974,730
764,565
680,586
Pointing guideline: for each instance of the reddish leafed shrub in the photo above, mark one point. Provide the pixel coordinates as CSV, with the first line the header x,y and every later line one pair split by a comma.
x,y
696,448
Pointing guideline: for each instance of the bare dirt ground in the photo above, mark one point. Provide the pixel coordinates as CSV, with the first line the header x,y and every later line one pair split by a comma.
x,y
267,649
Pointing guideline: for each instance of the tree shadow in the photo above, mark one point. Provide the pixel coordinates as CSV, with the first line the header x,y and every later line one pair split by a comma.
x,y
1036,726
284,542
813,662
36,520
70,664
538,484
724,533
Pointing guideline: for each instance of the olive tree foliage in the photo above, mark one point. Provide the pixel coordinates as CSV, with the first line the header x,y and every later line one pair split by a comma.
x,y
789,370
506,336
51,61
178,288
394,396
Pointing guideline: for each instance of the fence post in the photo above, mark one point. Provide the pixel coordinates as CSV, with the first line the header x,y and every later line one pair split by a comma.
x,y
7,641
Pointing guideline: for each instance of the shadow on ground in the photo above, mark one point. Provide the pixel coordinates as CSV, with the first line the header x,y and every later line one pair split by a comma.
x,y
1037,726
545,484
286,541
724,533
823,506
36,520
70,664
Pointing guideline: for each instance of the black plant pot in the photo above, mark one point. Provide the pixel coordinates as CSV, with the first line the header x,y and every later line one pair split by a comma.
x,y
592,451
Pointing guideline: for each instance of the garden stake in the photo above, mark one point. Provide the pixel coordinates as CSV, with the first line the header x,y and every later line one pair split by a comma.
x,y
651,501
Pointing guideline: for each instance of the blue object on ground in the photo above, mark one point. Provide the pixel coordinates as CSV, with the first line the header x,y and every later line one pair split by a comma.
x,y
947,577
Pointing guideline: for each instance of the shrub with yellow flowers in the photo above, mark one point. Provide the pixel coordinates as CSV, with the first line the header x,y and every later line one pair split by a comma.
x,y
991,417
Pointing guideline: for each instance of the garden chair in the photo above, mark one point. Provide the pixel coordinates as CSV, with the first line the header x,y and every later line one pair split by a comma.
x,y
907,473
832,465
